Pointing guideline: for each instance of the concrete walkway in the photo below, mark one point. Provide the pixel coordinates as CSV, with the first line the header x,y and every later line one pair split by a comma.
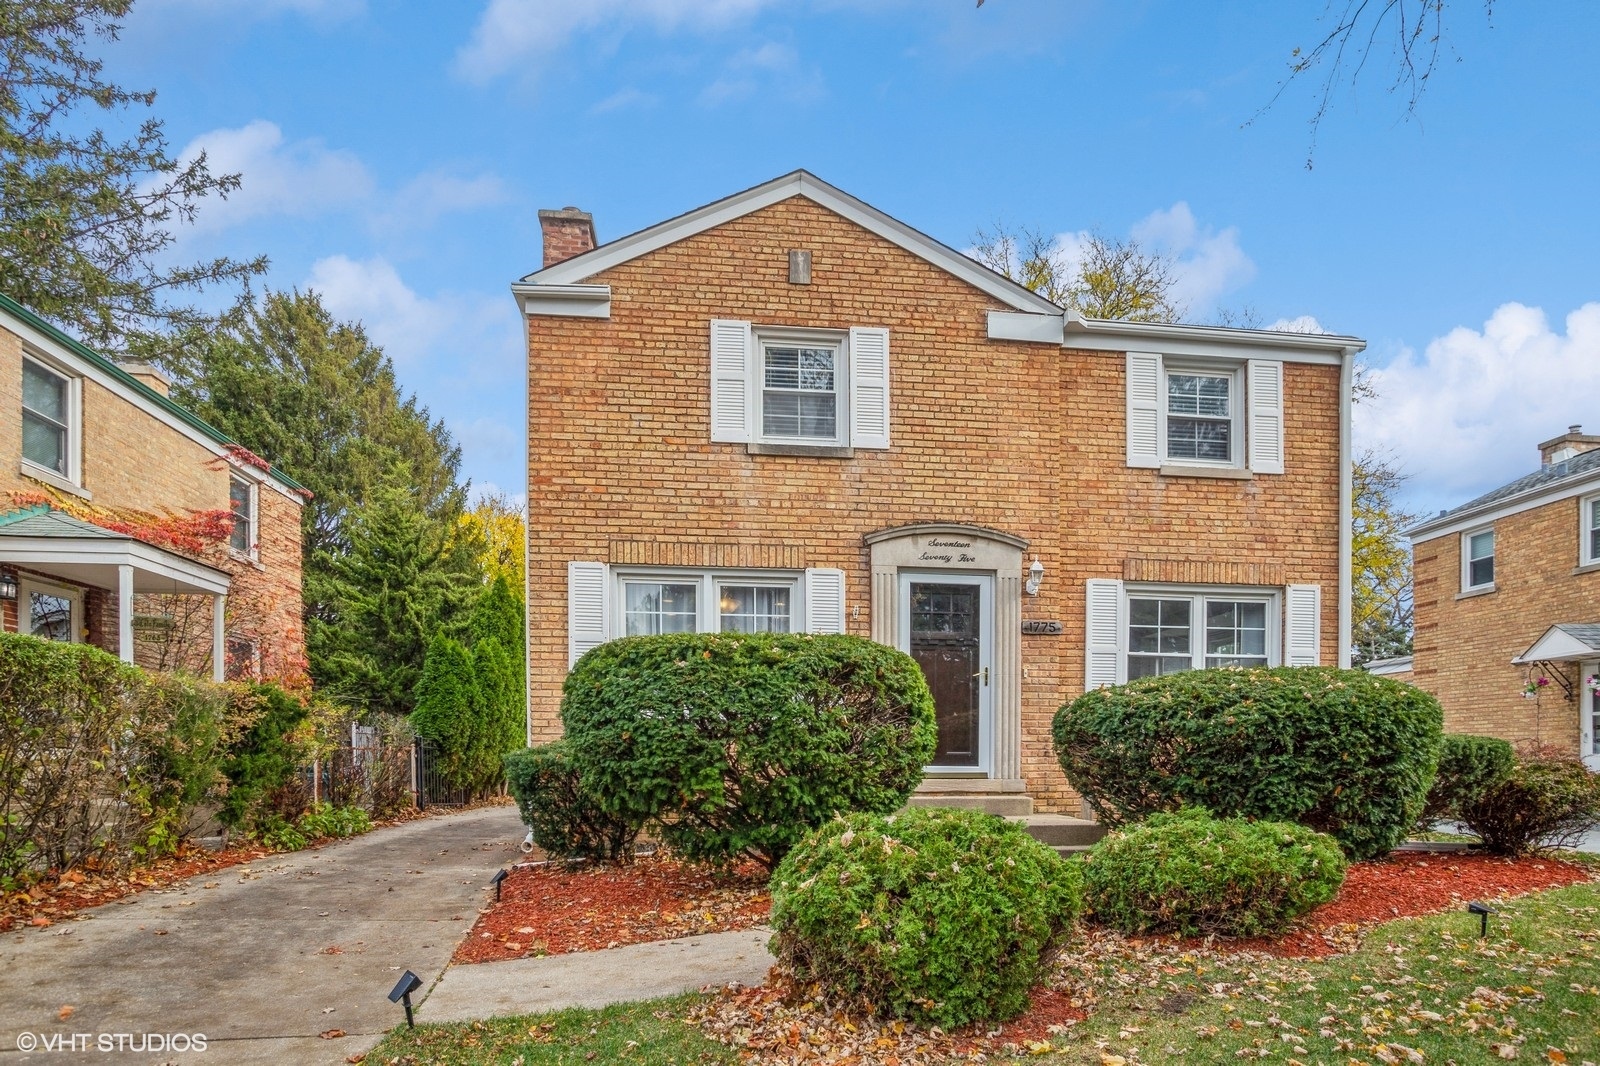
x,y
598,978
264,957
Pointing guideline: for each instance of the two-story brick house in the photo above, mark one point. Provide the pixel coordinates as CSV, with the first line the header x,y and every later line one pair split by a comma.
x,y
789,411
127,522
1507,604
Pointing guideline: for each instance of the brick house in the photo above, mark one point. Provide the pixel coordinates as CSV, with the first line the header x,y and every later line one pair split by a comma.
x,y
128,523
787,410
1507,604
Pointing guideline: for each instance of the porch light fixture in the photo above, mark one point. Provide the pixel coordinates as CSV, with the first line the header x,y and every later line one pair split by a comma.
x,y
408,983
1482,910
8,586
1035,577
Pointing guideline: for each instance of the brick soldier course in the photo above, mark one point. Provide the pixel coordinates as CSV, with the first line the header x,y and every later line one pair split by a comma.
x,y
1008,425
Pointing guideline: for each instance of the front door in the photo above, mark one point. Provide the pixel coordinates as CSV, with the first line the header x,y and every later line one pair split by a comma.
x,y
947,620
1589,717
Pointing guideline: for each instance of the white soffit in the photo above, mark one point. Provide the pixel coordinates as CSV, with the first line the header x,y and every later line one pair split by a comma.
x,y
799,183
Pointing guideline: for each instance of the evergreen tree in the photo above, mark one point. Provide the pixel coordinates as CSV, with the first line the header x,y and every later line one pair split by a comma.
x,y
447,700
501,720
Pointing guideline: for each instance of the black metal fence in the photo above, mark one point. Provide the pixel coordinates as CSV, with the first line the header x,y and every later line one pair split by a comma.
x,y
381,778
431,787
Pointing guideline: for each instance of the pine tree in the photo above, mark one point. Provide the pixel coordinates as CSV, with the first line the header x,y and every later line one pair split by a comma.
x,y
447,700
501,720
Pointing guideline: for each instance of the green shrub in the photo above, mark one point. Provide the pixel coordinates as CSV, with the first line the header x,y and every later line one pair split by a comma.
x,y
271,737
1468,767
739,744
938,915
323,820
567,822
1341,751
1548,799
280,835
1193,874
447,703
501,725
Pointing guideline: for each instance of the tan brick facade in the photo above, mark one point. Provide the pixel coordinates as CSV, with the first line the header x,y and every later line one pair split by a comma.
x,y
1464,643
1024,438
131,460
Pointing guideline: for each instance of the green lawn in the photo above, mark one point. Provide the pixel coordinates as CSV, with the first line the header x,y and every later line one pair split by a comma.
x,y
1425,987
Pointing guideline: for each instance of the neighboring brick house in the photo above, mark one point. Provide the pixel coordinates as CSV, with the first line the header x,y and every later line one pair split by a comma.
x,y
1507,604
127,522
787,410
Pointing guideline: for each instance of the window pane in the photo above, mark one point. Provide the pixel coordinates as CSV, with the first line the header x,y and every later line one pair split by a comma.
x,y
817,416
754,609
1157,665
1196,438
1236,633
44,443
1480,555
1197,394
652,607
43,392
1158,637
239,504
798,397
783,368
50,616
1480,572
1482,545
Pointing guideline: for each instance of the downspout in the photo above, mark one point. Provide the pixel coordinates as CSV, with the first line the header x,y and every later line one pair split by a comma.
x,y
527,524
1346,502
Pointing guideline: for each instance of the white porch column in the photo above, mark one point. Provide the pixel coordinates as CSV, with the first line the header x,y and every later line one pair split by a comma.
x,y
125,612
219,640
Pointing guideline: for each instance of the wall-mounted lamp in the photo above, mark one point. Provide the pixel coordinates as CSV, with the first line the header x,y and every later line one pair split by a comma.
x,y
1035,577
8,586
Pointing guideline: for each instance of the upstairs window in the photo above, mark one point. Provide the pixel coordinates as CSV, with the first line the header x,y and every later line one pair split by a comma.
x,y
792,388
1477,560
242,503
799,392
1201,417
46,419
1589,530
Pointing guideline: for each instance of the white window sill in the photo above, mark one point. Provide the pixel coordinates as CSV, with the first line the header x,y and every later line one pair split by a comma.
x,y
54,480
253,558
1483,590
1587,568
811,451
1230,472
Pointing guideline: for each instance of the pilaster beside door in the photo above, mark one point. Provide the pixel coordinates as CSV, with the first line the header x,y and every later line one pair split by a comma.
x,y
1589,716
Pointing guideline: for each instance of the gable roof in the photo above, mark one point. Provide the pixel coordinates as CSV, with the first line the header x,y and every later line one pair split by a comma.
x,y
797,183
144,396
1579,470
1564,642
41,521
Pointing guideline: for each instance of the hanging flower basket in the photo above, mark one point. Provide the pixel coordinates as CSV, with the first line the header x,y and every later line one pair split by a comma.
x,y
1533,687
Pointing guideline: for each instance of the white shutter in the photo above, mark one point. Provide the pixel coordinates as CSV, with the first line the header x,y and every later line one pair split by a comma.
x,y
1144,409
869,388
824,601
1302,625
586,608
1264,394
1102,633
731,415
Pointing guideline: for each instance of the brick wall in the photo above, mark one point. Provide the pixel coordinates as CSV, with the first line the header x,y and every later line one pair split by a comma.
x,y
1023,438
1464,645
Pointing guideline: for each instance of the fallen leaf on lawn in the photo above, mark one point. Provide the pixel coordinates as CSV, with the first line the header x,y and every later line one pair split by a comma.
x,y
1555,1054
66,1012
357,1058
1505,1051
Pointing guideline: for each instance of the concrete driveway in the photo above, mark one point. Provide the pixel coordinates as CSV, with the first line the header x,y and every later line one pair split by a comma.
x,y
259,958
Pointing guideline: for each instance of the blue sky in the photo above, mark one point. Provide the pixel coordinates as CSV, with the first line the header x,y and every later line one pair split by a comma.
x,y
395,156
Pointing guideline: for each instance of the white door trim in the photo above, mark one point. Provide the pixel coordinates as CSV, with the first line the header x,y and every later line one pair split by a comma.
x,y
1588,715
986,647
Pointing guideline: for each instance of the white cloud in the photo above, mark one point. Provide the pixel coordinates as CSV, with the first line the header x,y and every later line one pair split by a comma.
x,y
1207,263
621,100
1466,414
1299,324
425,197
772,69
513,32
299,179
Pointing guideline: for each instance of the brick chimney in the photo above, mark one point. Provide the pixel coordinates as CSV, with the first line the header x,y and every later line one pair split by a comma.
x,y
149,375
567,232
1573,442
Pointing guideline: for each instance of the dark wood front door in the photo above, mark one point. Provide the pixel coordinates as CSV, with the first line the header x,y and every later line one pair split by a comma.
x,y
945,642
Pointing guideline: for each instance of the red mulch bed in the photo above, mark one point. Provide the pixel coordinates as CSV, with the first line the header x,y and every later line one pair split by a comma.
x,y
1408,885
553,909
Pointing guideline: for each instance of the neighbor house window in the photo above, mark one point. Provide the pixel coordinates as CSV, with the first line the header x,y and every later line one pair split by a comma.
x,y
1477,560
800,385
49,611
1589,529
242,503
1172,632
244,662
1202,417
46,418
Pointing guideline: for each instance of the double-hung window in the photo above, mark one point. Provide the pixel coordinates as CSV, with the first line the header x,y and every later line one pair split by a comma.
x,y
47,419
1477,560
242,504
792,389
1202,417
1169,632
1589,530
800,392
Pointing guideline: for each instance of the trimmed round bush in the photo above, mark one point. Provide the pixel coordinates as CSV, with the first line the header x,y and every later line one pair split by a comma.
x,y
566,821
1548,799
938,915
1194,874
1343,752
1468,767
738,744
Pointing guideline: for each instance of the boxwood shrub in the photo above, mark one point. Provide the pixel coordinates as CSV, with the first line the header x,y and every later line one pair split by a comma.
x,y
1548,799
1341,751
1194,874
939,915
566,820
737,744
1468,767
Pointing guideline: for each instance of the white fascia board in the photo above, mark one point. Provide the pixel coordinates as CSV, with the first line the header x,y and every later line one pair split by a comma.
x,y
46,344
798,183
1024,326
104,551
1556,646
1112,335
1539,496
566,301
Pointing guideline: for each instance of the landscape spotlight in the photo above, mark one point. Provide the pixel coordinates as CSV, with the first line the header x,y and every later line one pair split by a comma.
x,y
409,983
1482,910
497,880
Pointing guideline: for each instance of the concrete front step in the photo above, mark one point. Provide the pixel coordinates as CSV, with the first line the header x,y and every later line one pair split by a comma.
x,y
1005,804
1061,831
